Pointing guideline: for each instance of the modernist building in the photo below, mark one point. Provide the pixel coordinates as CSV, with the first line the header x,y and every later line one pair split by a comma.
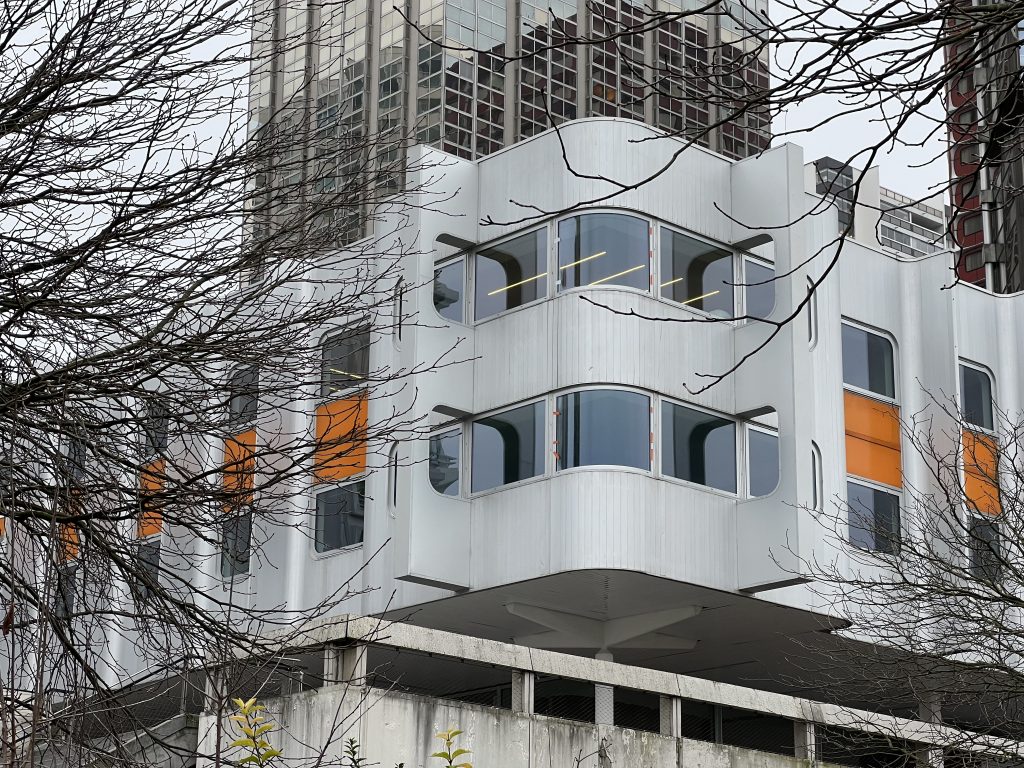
x,y
879,216
986,159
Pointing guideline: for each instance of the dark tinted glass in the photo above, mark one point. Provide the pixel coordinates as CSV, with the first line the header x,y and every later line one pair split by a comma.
x,y
346,361
874,518
976,393
77,459
449,282
760,294
696,274
511,274
149,565
985,549
508,447
155,429
339,517
698,447
763,462
867,361
604,249
64,592
603,426
236,532
443,466
243,391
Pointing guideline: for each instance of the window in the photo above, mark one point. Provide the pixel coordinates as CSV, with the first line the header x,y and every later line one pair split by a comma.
x,y
760,287
696,273
155,429
868,361
812,313
449,282
77,460
984,546
976,397
236,535
508,447
346,361
603,426
64,592
443,466
149,566
604,249
817,478
698,447
339,517
243,395
393,476
874,518
762,462
511,274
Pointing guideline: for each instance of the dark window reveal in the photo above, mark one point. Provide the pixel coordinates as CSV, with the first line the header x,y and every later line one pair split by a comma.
x,y
508,447
698,447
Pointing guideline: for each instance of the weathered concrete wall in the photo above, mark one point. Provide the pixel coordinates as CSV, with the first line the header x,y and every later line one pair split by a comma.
x,y
395,728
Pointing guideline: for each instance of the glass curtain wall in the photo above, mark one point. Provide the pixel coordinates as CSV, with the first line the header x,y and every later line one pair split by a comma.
x,y
548,65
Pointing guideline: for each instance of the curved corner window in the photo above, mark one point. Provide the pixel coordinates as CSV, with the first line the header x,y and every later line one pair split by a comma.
x,y
868,361
339,517
760,287
696,274
508,447
603,426
976,397
443,466
604,249
762,462
874,517
698,447
449,287
511,274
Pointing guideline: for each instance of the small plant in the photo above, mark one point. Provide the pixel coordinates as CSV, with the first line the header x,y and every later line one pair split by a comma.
x,y
251,723
451,752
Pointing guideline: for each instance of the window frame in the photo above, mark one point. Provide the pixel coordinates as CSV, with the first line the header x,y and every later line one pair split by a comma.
x,y
355,329
740,448
962,363
652,252
895,399
465,257
652,399
439,431
327,488
235,576
738,276
747,428
546,409
470,278
900,506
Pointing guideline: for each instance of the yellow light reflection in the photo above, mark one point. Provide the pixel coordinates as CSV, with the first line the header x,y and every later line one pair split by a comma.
x,y
671,282
346,373
585,258
698,298
618,274
521,282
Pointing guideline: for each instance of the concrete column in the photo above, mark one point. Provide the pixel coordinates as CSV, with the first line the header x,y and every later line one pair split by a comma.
x,y
604,696
671,716
804,741
522,692
345,664
213,688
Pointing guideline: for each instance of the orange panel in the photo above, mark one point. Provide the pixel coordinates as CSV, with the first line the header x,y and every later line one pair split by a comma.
x,y
151,482
873,439
240,467
981,473
341,438
68,537
3,525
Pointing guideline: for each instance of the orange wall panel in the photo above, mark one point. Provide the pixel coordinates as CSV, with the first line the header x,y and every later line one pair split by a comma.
x,y
68,539
341,438
240,467
873,440
981,472
151,482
